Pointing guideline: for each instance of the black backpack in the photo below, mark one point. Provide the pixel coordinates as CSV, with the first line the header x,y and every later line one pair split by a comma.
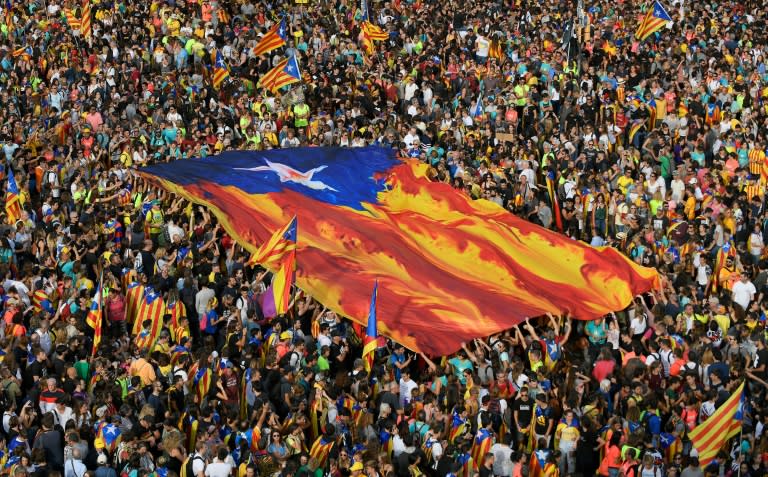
x,y
187,468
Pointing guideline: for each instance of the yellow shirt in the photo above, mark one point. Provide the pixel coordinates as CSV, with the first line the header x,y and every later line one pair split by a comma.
x,y
624,182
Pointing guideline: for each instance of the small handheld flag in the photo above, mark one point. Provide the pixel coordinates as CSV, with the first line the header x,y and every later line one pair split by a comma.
x,y
286,72
276,37
371,333
12,199
656,18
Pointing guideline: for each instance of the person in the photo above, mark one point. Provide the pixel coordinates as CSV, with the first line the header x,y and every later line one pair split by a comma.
x,y
219,467
103,469
74,466
692,469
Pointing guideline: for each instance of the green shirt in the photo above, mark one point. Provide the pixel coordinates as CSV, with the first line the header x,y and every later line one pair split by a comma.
x,y
83,370
666,166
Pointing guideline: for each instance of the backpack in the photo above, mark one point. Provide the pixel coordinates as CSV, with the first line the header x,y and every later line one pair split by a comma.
x,y
187,467
286,359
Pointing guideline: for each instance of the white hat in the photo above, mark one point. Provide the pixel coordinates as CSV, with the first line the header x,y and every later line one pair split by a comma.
x,y
101,460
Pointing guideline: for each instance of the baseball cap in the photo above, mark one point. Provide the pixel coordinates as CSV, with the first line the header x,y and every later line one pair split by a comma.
x,y
101,460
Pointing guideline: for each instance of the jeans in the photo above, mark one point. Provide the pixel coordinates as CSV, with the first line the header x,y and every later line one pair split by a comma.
x,y
613,472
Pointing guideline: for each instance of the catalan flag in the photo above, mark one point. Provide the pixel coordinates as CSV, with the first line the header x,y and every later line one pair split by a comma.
x,y
111,436
481,445
553,199
365,13
368,45
278,247
374,32
656,18
220,70
202,383
453,268
321,449
653,114
286,72
636,126
711,435
72,20
85,22
538,465
371,335
152,308
13,201
496,50
95,318
134,293
276,37
42,302
458,427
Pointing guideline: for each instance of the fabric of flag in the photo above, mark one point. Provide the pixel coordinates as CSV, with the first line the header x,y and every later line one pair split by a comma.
x,y
727,250
72,20
652,114
554,201
286,72
276,37
220,70
13,202
636,126
481,445
278,248
42,302
320,450
458,427
374,32
467,465
656,19
177,310
85,22
495,50
191,432
243,393
134,293
282,283
371,341
152,307
449,268
711,435
365,14
202,383
671,445
368,45
478,110
538,463
95,317
111,436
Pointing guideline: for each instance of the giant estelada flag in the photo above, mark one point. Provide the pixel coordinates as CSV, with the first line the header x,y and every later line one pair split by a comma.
x,y
448,268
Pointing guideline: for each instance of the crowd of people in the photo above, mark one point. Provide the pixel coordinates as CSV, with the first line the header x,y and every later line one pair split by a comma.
x,y
552,110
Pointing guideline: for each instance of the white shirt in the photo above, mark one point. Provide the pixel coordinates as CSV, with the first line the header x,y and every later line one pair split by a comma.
x,y
74,468
218,469
502,464
198,464
743,293
62,417
406,388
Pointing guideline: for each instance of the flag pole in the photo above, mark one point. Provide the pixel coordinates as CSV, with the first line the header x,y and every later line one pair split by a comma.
x,y
294,308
